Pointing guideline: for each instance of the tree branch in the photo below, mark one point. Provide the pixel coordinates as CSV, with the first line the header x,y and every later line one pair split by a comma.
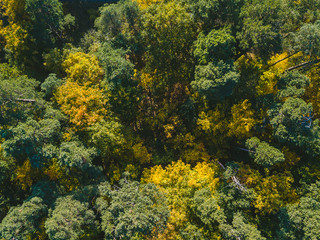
x,y
247,150
283,59
25,100
305,64
235,180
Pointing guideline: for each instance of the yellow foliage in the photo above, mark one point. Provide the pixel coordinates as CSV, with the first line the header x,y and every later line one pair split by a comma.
x,y
114,174
212,122
84,105
203,175
67,136
13,33
186,141
54,59
83,68
40,233
212,126
146,3
26,175
272,192
170,128
13,9
179,182
54,171
132,170
204,121
141,153
268,80
145,79
57,173
190,150
242,120
249,60
313,91
197,153
14,36
291,157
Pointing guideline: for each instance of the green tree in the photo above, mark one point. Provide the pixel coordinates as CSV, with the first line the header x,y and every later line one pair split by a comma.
x,y
50,85
241,228
71,219
262,21
47,19
216,45
108,138
233,199
306,39
216,80
206,207
263,153
118,70
308,11
18,99
23,221
119,22
292,123
124,94
133,209
74,154
9,193
168,32
33,140
301,220
292,84
215,14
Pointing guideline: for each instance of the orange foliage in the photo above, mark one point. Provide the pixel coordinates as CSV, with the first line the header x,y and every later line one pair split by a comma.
x,y
84,105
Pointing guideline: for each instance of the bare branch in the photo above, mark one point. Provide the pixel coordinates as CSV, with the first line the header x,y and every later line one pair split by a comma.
x,y
283,59
247,150
239,186
305,64
25,100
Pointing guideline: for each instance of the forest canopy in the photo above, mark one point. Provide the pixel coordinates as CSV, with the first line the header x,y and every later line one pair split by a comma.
x,y
159,119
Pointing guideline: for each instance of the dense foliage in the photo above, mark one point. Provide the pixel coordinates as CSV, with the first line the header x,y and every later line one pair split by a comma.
x,y
159,119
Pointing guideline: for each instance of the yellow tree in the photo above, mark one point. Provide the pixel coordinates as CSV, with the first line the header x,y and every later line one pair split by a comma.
x,y
242,120
146,3
83,68
313,91
190,150
179,182
268,79
277,65
61,175
271,191
80,97
212,126
14,31
84,105
26,175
